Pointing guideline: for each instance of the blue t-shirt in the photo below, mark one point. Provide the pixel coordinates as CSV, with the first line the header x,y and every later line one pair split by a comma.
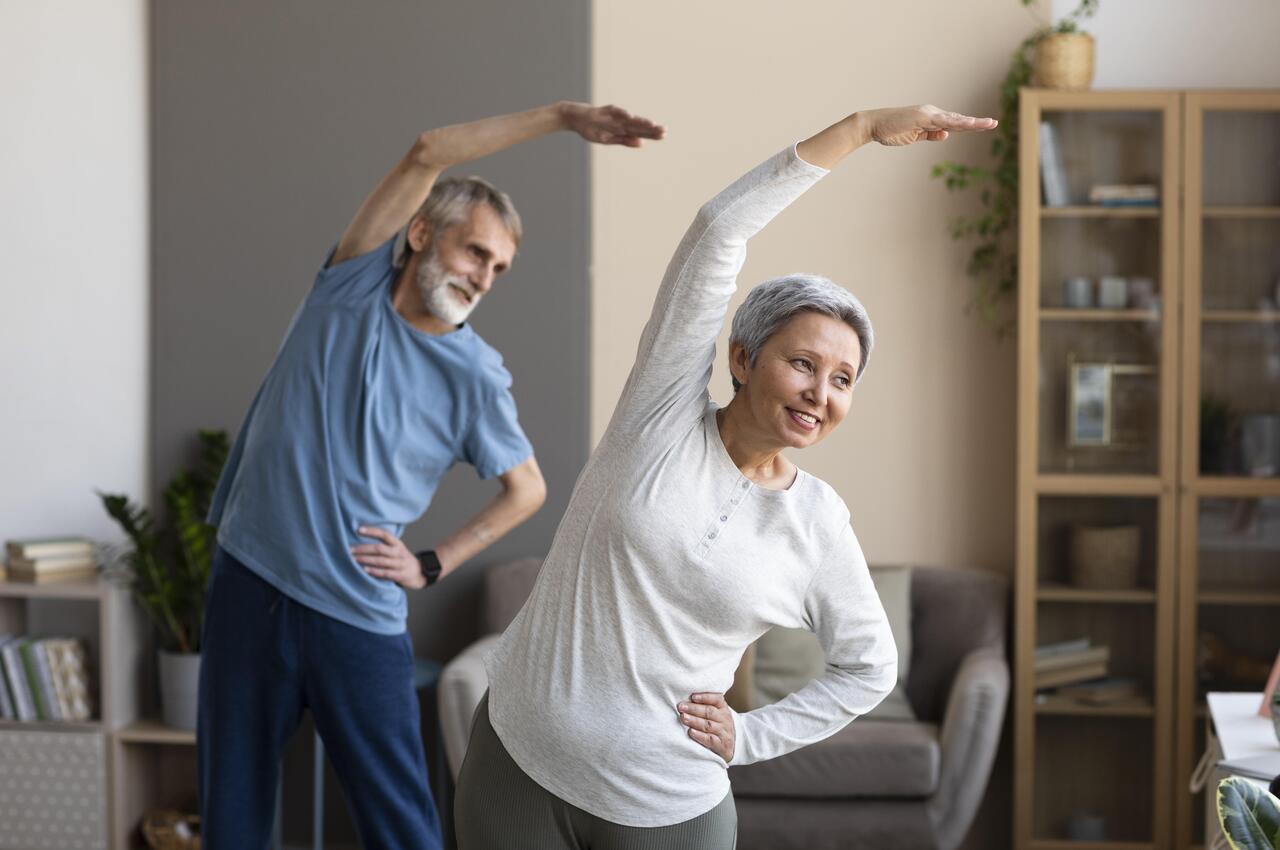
x,y
357,421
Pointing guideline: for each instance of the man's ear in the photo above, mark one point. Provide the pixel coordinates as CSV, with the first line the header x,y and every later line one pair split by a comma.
x,y
419,235
739,362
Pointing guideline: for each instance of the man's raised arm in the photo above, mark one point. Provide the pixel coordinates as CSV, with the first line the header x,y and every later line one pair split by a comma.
x,y
407,185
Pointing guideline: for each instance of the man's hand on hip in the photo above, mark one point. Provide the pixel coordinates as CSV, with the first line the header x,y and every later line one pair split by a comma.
x,y
389,559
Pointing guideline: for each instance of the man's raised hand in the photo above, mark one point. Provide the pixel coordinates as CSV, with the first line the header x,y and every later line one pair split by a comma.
x,y
610,125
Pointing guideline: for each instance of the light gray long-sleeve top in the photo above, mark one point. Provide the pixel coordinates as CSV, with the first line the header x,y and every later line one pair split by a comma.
x,y
669,563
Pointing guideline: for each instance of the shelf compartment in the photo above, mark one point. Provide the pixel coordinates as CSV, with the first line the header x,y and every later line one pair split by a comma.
x,y
1098,485
1213,316
1241,147
1058,516
1094,246
1242,212
1098,765
1235,647
1239,264
1099,398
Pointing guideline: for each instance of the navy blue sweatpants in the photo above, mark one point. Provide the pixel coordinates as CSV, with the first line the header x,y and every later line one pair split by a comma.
x,y
265,658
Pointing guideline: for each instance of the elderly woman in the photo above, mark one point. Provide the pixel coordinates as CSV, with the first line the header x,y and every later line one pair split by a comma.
x,y
689,535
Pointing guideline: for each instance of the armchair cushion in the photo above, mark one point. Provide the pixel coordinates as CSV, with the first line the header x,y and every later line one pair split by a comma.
x,y
867,758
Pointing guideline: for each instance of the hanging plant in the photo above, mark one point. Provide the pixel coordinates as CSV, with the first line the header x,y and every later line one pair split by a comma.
x,y
993,261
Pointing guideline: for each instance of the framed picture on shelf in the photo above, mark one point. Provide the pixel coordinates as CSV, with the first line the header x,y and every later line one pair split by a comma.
x,y
1110,405
1089,405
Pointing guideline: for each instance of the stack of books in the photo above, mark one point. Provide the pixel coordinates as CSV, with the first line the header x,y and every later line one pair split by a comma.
x,y
1125,195
44,679
1069,662
51,559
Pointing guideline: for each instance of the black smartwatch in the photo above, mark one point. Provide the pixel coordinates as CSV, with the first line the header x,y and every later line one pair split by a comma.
x,y
430,564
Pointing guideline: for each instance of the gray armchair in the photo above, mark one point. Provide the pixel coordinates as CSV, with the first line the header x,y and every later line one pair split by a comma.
x,y
882,784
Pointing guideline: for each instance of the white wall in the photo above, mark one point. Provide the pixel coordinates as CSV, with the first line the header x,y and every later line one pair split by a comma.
x,y
73,284
1183,43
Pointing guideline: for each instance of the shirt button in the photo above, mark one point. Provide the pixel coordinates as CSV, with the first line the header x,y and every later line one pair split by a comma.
x,y
712,535
746,484
724,518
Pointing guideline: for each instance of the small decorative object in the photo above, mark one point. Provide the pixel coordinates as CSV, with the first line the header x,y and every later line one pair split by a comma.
x,y
1125,194
167,568
1112,292
1065,61
1219,667
1142,293
1105,558
1260,444
1248,815
1089,408
1086,826
170,830
1077,293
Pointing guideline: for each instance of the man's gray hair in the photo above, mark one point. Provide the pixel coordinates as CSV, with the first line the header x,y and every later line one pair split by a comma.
x,y
773,303
450,202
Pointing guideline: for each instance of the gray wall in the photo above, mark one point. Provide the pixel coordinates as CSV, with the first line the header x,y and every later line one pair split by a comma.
x,y
272,121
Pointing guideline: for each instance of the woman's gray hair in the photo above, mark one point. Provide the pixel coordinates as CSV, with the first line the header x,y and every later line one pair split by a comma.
x,y
773,303
450,202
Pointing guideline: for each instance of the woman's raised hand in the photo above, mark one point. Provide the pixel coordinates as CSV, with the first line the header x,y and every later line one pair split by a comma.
x,y
905,125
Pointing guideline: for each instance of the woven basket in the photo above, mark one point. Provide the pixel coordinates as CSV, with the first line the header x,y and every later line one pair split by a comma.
x,y
169,830
1105,558
1065,61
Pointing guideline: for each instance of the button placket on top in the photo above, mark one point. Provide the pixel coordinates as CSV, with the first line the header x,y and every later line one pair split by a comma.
x,y
715,529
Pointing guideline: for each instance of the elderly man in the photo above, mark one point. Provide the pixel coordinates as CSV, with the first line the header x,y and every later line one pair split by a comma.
x,y
379,388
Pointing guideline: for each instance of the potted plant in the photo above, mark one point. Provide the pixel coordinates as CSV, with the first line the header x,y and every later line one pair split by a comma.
x,y
167,567
1250,817
993,262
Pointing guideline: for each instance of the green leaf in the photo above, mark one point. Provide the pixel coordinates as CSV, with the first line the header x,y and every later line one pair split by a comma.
x,y
1249,815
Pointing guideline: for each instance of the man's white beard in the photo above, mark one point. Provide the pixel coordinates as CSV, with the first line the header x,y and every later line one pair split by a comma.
x,y
443,302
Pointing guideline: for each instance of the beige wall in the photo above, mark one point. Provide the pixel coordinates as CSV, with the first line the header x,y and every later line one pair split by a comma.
x,y
925,458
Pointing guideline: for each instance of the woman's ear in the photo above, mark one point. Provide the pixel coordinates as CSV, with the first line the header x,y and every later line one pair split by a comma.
x,y
739,362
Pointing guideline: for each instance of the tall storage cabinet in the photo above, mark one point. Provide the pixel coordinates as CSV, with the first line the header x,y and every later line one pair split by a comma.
x,y
1229,513
1139,320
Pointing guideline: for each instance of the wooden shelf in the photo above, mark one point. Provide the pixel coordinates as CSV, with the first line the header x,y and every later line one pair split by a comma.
x,y
1064,706
154,732
1067,593
1237,596
1236,487
93,589
1071,484
1099,212
1068,314
50,726
1241,316
1066,844
1242,212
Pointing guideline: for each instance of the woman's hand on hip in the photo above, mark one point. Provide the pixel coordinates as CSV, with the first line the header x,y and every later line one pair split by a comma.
x,y
710,723
389,559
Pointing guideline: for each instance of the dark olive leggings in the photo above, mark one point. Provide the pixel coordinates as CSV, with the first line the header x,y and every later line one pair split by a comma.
x,y
498,807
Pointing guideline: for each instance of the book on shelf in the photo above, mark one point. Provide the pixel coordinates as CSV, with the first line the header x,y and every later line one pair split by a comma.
x,y
1125,195
1049,649
1070,675
1102,692
28,577
52,567
1053,173
1091,655
44,679
49,547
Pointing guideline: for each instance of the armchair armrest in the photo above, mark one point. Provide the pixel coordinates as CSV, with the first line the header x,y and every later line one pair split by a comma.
x,y
462,685
969,737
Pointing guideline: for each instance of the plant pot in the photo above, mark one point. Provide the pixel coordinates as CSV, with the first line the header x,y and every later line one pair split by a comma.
x,y
1065,61
179,688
